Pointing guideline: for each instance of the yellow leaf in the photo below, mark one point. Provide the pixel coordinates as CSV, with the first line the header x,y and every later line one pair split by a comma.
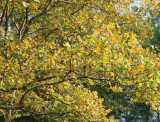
x,y
105,61
27,42
153,104
109,83
78,37
135,100
98,32
98,50
30,38
108,111
146,103
142,66
156,2
47,92
112,74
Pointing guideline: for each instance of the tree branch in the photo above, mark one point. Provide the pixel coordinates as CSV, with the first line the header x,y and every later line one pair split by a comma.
x,y
78,9
2,17
21,28
37,86
11,107
54,83
34,114
44,11
72,108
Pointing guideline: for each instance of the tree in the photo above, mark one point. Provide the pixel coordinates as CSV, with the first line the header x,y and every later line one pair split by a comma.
x,y
156,24
52,52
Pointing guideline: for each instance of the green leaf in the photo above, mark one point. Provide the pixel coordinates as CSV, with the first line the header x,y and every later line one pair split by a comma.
x,y
67,45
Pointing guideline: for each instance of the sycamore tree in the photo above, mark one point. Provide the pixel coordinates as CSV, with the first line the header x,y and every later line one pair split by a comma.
x,y
53,51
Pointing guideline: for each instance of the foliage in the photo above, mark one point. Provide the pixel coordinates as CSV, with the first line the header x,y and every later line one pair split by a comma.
x,y
156,24
50,50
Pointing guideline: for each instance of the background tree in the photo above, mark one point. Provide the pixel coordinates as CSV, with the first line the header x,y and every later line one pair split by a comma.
x,y
52,52
156,24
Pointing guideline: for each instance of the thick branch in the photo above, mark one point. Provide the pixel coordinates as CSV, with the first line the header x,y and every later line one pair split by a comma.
x,y
34,114
101,79
54,83
11,107
2,17
21,28
44,11
40,85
